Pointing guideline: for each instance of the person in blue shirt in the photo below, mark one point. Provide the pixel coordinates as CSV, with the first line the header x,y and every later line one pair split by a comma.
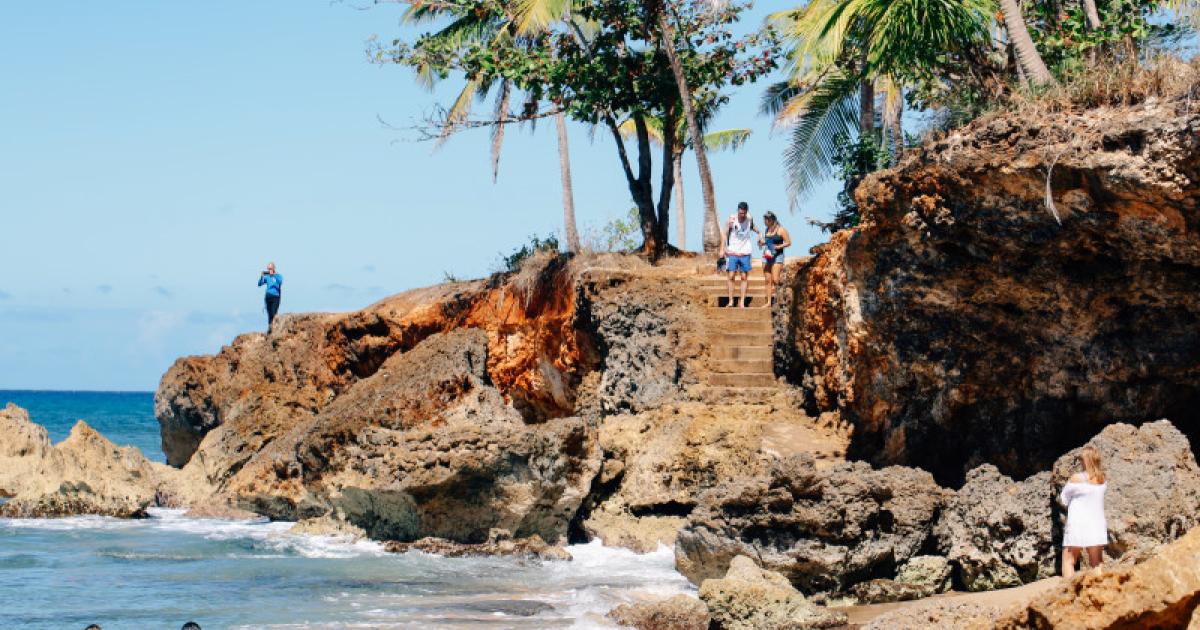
x,y
274,284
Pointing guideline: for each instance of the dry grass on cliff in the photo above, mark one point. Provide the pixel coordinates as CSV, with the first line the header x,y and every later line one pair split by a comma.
x,y
1111,83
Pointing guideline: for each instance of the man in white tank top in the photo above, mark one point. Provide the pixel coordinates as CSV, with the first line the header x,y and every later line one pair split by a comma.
x,y
738,248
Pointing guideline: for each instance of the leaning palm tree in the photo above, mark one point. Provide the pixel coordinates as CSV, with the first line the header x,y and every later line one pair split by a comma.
x,y
519,21
1027,55
839,50
727,139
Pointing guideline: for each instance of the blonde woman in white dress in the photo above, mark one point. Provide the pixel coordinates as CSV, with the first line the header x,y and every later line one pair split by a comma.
x,y
1083,496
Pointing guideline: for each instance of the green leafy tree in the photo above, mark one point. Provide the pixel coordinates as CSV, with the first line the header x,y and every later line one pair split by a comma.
x,y
607,66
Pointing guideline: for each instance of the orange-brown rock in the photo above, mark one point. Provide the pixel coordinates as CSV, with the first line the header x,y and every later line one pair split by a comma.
x,y
961,324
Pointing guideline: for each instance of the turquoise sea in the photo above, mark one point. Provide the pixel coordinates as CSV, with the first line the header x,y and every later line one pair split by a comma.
x,y
160,572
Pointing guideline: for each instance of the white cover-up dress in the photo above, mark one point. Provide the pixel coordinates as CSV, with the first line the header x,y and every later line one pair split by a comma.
x,y
1085,514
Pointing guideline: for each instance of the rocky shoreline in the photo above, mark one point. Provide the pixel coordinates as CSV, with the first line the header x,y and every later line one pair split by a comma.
x,y
936,369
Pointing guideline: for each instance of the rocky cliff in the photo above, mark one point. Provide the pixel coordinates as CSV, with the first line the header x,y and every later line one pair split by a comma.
x,y
962,324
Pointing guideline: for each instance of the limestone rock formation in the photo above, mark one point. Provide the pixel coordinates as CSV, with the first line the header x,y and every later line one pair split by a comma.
x,y
85,474
681,612
1153,492
822,529
934,572
658,462
750,598
998,532
1162,592
884,591
960,324
425,446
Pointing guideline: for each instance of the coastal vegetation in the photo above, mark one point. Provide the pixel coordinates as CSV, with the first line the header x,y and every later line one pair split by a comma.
x,y
853,71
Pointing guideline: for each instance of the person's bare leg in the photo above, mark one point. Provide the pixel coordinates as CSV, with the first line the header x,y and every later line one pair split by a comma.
x,y
1070,556
1095,557
745,284
729,287
770,284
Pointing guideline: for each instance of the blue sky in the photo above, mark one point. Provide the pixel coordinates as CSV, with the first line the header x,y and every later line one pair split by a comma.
x,y
155,155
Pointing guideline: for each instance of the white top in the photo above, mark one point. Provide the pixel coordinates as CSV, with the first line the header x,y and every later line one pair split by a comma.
x,y
1085,514
739,243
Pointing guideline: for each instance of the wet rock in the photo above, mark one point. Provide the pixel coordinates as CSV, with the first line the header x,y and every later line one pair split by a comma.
x,y
681,612
328,526
532,547
822,529
750,598
933,572
883,591
220,509
998,532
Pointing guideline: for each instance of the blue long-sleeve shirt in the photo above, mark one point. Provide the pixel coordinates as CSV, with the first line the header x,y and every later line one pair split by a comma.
x,y
273,281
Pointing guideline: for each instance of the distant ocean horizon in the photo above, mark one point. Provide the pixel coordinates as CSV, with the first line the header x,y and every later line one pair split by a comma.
x,y
125,418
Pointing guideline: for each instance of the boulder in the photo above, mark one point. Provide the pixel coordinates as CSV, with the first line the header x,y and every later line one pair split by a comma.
x,y
823,529
1153,492
998,532
681,612
884,591
750,598
934,572
1163,592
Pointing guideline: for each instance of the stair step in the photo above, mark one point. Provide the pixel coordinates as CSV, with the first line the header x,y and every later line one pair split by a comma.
x,y
764,367
744,353
752,301
739,337
740,379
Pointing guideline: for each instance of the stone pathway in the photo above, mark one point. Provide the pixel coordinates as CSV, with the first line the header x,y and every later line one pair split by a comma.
x,y
741,339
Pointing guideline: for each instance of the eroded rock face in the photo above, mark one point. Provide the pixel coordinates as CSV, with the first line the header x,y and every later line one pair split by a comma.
x,y
85,474
750,598
264,386
998,532
822,529
934,572
961,324
424,447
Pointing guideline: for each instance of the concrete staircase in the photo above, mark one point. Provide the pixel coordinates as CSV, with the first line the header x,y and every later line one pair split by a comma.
x,y
741,339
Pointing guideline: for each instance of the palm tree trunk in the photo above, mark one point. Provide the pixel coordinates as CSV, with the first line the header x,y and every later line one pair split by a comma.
x,y
680,215
712,235
897,131
866,108
1027,54
568,190
1093,15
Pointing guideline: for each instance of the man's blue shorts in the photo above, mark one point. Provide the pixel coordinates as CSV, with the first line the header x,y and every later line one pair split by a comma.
x,y
737,263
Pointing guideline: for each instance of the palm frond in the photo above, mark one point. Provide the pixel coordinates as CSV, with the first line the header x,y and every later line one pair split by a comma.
x,y
831,113
654,129
776,97
731,139
533,16
498,129
1186,10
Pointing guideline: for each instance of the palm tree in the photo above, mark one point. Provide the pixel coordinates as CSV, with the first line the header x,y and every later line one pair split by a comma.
x,y
659,8
520,20
840,50
727,139
1027,54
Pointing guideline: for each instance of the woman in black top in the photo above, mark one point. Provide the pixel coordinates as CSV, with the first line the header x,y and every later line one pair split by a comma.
x,y
774,241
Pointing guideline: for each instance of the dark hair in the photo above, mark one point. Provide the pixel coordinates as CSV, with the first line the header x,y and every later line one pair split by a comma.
x,y
92,627
742,205
191,625
770,215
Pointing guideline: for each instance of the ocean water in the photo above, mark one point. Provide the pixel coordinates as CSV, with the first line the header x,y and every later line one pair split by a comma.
x,y
160,572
